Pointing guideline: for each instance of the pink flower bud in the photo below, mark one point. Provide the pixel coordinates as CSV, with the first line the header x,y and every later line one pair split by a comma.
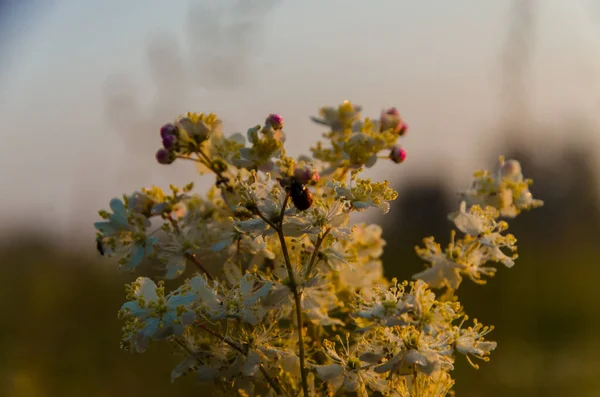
x,y
392,112
403,128
390,119
305,174
275,121
398,155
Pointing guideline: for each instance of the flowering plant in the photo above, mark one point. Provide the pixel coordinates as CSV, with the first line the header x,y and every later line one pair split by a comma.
x,y
277,293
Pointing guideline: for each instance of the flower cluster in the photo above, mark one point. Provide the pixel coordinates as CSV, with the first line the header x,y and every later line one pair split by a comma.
x,y
276,292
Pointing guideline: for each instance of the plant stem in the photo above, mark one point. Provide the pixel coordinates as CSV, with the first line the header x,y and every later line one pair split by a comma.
x,y
267,221
234,345
298,301
416,387
282,212
239,255
190,159
297,296
191,257
315,254
219,174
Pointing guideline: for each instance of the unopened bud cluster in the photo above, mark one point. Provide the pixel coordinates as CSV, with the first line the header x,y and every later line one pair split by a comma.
x,y
277,293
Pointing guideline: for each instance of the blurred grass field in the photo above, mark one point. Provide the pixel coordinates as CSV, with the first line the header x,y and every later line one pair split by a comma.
x,y
59,332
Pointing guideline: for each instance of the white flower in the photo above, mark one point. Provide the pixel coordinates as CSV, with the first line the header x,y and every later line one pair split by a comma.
x,y
334,216
361,275
419,307
117,222
338,117
364,194
443,271
425,362
470,342
125,233
367,240
318,301
335,256
493,243
137,251
348,371
473,222
428,353
506,190
142,203
155,315
174,253
510,170
242,301
268,202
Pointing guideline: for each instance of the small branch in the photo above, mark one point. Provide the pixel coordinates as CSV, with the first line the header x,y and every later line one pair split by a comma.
x,y
234,345
239,255
205,157
192,257
267,221
223,179
174,224
415,374
221,337
190,159
282,213
315,254
186,348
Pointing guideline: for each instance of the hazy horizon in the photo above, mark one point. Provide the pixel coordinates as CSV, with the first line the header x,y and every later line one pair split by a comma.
x,y
64,154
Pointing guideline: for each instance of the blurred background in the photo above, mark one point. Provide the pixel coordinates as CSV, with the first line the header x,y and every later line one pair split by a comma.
x,y
85,85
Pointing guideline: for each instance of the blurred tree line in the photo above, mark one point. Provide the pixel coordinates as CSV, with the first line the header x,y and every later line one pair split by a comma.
x,y
545,309
59,333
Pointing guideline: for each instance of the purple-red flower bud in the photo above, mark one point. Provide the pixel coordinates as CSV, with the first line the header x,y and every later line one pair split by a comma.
x,y
392,112
305,174
169,142
398,155
275,121
403,129
168,129
390,119
163,156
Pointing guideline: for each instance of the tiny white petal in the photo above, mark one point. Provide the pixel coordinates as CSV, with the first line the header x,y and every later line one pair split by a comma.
x,y
329,372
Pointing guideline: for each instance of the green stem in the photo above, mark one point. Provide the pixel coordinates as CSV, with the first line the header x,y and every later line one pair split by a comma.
x,y
298,302
297,296
315,254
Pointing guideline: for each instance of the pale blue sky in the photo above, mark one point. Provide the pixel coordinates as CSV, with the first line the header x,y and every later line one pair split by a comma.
x,y
438,61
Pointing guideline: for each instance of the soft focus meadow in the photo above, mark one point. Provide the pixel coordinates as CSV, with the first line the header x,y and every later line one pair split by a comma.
x,y
80,125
